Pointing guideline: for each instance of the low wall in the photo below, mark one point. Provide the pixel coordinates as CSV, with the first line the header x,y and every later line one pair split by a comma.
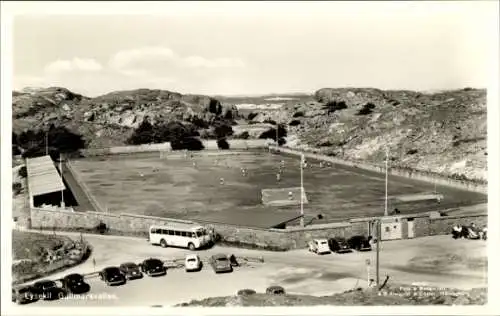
x,y
271,239
397,171
136,225
208,144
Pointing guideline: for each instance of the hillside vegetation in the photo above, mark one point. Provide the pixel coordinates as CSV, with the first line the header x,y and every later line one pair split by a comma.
x,y
442,132
357,297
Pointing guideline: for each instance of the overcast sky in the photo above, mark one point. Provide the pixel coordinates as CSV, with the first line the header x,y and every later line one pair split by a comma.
x,y
258,48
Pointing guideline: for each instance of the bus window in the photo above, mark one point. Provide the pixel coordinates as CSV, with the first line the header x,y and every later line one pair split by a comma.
x,y
192,235
177,233
183,234
154,231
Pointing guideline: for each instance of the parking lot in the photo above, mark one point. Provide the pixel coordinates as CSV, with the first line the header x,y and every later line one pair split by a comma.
x,y
438,260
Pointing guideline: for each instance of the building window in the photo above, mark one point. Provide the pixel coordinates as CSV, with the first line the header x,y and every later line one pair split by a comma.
x,y
387,229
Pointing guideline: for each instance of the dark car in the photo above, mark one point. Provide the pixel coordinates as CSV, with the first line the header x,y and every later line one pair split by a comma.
x,y
220,263
153,267
360,243
339,245
48,290
75,283
112,276
131,270
24,295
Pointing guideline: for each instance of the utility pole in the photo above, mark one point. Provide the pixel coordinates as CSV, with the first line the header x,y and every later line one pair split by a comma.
x,y
386,179
61,171
277,128
302,160
46,143
378,252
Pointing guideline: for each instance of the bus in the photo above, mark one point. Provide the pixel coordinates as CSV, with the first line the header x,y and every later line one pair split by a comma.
x,y
179,235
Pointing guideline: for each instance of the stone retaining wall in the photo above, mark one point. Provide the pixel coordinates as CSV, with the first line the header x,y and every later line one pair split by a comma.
x,y
273,239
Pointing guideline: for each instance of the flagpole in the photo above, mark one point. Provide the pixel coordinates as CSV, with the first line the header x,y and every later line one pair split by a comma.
x,y
302,190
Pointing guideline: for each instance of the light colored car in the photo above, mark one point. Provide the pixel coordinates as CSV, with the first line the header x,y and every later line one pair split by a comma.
x,y
319,246
192,263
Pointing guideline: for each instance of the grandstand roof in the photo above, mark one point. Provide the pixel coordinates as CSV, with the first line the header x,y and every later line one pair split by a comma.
x,y
43,176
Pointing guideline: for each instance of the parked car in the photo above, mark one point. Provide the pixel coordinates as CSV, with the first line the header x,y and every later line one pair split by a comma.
x,y
75,283
275,290
319,246
24,295
131,271
360,243
220,263
48,290
153,267
112,276
339,245
192,263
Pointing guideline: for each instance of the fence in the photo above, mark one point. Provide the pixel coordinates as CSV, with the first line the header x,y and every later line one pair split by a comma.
x,y
208,144
396,171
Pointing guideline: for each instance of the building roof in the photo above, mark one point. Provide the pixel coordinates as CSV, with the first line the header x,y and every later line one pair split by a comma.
x,y
43,176
258,218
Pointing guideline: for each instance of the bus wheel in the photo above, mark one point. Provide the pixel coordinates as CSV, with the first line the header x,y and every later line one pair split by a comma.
x,y
191,246
163,243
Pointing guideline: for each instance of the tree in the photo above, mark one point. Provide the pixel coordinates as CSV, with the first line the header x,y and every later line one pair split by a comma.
x,y
55,140
223,130
22,172
271,134
222,144
143,134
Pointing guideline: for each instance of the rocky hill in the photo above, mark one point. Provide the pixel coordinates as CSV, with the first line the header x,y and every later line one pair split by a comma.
x,y
443,132
108,120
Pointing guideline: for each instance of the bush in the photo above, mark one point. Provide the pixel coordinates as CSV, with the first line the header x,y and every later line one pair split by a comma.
x,y
294,123
101,228
270,121
325,143
222,130
333,106
367,109
222,144
252,115
188,143
246,292
298,114
243,135
17,188
411,152
22,172
275,290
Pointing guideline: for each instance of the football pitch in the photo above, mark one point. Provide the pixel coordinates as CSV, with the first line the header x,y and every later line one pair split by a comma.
x,y
194,185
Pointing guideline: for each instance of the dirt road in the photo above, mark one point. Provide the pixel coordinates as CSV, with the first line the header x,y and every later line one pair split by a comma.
x,y
439,261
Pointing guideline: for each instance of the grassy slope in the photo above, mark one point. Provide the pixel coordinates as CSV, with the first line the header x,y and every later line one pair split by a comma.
x,y
27,245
